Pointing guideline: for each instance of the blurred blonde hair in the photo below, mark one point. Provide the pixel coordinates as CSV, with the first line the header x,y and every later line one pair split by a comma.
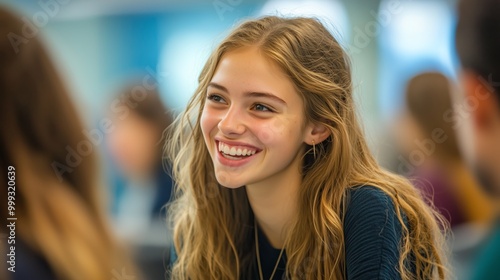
x,y
213,224
59,218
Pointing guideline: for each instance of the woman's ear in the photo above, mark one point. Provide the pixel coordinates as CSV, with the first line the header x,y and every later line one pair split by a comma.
x,y
316,133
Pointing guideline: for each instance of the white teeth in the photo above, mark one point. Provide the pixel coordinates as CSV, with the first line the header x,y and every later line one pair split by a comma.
x,y
233,151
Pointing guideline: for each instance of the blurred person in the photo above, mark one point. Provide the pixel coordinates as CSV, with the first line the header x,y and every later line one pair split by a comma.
x,y
431,155
274,176
478,114
142,185
61,232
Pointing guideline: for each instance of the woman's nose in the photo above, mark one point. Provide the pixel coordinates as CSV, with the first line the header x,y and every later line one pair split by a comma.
x,y
232,122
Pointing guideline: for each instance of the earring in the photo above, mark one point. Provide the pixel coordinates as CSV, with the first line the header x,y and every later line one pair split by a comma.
x,y
314,149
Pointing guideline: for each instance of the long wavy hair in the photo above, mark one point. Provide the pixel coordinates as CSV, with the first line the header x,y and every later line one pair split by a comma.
x,y
213,225
61,214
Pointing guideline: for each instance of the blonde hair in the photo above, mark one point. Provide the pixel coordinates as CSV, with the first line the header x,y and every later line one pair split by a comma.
x,y
213,224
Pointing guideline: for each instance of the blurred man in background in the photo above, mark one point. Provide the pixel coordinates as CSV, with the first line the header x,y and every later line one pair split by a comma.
x,y
478,115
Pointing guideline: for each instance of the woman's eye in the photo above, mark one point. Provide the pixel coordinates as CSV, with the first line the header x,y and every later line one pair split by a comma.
x,y
262,108
216,98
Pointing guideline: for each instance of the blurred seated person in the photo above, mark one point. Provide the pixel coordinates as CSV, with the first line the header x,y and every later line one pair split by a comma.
x,y
61,231
431,156
141,183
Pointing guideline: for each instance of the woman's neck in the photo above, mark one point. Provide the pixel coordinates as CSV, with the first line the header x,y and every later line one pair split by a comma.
x,y
274,202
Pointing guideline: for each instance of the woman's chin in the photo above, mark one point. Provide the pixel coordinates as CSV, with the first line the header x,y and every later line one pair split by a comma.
x,y
231,186
227,180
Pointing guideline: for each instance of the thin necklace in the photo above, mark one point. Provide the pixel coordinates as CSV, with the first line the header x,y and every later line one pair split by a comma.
x,y
258,254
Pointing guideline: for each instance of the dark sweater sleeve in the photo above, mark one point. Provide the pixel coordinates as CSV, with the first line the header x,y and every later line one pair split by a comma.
x,y
372,235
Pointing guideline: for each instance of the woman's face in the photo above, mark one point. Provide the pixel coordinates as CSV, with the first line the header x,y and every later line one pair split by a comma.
x,y
253,121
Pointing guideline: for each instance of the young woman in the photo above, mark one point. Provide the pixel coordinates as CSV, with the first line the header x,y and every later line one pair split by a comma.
x,y
274,177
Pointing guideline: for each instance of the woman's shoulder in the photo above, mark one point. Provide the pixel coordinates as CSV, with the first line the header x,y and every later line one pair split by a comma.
x,y
31,265
369,206
357,196
369,200
372,234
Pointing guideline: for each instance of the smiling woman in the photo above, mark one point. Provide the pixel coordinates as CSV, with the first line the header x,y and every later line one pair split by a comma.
x,y
274,177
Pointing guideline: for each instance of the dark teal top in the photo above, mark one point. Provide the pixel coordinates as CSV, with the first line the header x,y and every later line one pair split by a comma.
x,y
487,265
372,235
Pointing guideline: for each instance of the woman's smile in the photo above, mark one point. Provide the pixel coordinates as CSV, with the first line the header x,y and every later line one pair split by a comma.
x,y
235,154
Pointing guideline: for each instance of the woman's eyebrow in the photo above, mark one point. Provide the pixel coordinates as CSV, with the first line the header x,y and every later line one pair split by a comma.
x,y
266,95
217,86
249,94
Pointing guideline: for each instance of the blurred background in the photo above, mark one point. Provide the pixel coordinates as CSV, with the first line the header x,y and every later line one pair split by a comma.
x,y
404,68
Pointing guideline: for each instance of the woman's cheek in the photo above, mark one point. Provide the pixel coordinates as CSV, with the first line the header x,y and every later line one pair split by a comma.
x,y
272,131
207,123
208,120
